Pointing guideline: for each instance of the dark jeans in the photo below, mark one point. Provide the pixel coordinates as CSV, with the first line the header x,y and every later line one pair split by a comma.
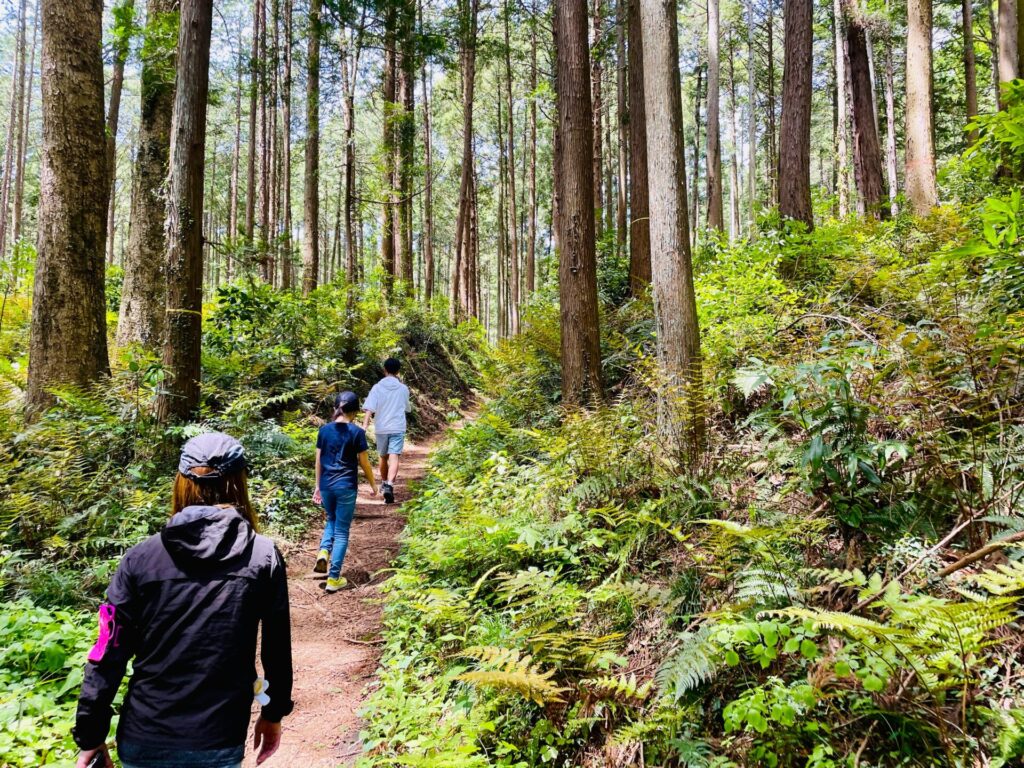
x,y
141,756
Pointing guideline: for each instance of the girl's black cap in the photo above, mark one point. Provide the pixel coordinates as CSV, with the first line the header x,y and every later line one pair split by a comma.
x,y
347,401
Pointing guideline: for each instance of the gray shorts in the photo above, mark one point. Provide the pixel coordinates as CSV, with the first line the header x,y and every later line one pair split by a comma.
x,y
388,445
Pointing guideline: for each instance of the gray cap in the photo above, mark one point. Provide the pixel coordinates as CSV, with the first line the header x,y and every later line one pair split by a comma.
x,y
221,453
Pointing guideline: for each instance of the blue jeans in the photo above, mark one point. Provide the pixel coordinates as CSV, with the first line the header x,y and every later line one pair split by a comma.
x,y
340,505
139,756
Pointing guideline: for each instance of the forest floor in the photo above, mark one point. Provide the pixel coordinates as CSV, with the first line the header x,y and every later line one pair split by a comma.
x,y
335,637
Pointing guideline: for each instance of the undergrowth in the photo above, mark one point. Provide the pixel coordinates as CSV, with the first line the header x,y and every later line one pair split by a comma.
x,y
93,475
567,595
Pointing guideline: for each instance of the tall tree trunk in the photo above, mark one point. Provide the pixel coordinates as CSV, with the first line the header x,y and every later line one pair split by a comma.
x,y
920,142
751,118
597,106
120,45
695,193
183,346
143,305
622,111
406,127
734,162
531,228
9,147
254,74
236,158
772,132
19,187
68,336
890,123
577,262
428,192
286,121
353,250
867,154
675,305
970,74
714,151
1007,32
311,184
842,111
263,196
795,133
459,289
390,86
639,229
513,216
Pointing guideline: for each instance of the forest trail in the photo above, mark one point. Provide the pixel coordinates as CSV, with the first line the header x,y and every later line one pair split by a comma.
x,y
335,637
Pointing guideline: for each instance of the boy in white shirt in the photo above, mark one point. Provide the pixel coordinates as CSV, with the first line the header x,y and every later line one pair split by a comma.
x,y
387,403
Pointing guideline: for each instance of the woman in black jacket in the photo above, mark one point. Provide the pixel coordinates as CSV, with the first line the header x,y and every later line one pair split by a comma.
x,y
186,605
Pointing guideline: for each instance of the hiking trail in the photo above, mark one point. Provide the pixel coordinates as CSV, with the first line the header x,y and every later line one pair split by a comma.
x,y
336,637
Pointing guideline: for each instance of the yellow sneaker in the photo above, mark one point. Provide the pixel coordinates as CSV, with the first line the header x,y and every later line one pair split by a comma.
x,y
333,585
321,561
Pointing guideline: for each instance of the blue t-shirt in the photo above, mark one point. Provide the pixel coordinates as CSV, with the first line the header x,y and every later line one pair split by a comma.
x,y
340,444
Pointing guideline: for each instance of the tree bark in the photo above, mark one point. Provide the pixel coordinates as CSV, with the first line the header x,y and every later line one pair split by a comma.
x,y
842,111
458,288
675,306
695,193
751,118
714,151
68,336
734,162
867,153
254,70
795,133
428,192
622,110
513,216
920,142
311,184
142,317
236,160
577,262
597,107
970,74
286,121
1007,32
19,187
890,124
183,347
639,229
9,146
390,93
531,228
120,45
406,131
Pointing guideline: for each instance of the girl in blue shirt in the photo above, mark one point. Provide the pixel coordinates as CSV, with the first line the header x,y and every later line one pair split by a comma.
x,y
340,452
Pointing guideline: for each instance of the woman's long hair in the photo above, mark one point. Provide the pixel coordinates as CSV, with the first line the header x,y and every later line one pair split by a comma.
x,y
230,490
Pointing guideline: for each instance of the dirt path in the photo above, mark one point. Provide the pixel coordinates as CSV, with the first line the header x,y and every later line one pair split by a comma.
x,y
334,637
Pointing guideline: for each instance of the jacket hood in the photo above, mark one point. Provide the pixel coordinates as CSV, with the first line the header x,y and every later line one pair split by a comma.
x,y
390,382
207,537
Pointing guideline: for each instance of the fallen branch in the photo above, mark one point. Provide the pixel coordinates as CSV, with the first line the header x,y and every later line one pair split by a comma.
x,y
980,554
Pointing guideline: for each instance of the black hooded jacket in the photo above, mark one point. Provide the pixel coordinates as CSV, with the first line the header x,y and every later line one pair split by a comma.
x,y
186,605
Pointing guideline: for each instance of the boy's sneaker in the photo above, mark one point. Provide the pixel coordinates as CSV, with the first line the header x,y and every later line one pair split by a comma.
x,y
389,493
321,562
333,585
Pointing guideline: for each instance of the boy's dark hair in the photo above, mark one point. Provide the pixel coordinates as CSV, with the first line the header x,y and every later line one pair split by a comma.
x,y
392,366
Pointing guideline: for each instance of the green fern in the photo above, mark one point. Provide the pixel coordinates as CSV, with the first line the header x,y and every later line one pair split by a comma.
x,y
695,663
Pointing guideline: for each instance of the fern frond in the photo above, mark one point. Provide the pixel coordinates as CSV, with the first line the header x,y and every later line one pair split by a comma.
x,y
1002,579
695,663
514,672
623,689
